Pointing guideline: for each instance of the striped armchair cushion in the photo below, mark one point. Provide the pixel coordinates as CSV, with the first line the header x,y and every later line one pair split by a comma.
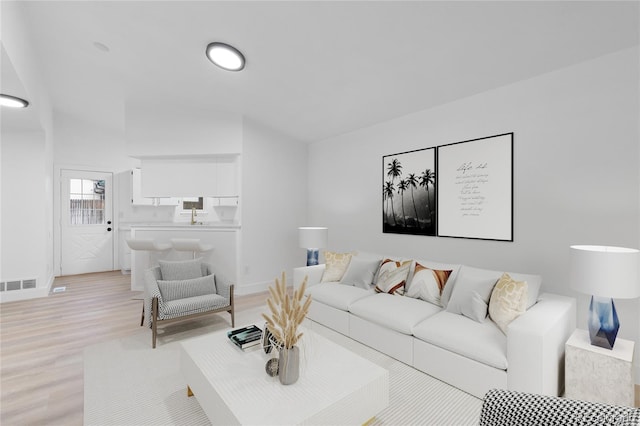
x,y
192,305
180,269
181,289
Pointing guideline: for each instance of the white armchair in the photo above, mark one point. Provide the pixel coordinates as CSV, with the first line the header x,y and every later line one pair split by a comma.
x,y
176,291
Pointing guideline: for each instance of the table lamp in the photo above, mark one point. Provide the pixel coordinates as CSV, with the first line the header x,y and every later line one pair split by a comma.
x,y
605,273
313,238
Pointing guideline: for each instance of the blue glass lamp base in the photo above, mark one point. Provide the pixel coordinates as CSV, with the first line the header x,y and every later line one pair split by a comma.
x,y
312,257
603,322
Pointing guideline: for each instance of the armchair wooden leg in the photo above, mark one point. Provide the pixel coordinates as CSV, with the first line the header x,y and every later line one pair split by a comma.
x,y
154,327
142,318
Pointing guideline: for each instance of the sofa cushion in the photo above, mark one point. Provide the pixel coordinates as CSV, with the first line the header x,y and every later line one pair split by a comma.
x,y
335,265
427,284
483,342
508,301
180,289
398,313
453,267
361,272
192,305
180,269
533,281
471,296
392,276
337,295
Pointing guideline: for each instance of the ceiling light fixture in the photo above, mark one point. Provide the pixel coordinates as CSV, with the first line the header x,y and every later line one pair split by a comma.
x,y
225,56
12,101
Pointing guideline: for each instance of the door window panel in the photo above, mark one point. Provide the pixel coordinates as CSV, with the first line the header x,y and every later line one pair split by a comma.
x,y
86,202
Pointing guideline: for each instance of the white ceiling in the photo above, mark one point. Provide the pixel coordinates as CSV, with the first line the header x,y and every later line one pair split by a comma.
x,y
314,69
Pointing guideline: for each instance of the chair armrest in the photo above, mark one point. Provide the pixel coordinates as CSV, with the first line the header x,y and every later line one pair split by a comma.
x,y
151,290
224,286
313,272
535,345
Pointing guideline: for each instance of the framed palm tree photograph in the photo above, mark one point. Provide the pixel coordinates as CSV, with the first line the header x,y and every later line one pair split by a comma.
x,y
409,192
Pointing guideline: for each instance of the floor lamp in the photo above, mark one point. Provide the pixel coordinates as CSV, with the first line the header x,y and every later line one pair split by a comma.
x,y
313,238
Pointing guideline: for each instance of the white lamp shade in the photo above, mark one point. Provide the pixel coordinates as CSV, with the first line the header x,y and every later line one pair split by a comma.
x,y
605,271
313,237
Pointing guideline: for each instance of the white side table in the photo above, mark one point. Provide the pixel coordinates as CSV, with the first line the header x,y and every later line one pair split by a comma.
x,y
597,374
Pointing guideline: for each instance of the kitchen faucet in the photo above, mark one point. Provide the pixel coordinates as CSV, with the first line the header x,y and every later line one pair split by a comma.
x,y
193,215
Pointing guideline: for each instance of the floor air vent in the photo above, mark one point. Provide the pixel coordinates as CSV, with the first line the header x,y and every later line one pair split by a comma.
x,y
18,284
59,289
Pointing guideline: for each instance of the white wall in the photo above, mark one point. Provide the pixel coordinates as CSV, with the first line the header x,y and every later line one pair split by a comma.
x,y
576,178
160,129
274,194
26,226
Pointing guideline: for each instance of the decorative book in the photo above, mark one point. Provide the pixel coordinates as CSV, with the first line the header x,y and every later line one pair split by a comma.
x,y
245,337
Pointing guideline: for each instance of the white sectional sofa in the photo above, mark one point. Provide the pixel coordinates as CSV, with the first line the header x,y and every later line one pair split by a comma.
x,y
443,340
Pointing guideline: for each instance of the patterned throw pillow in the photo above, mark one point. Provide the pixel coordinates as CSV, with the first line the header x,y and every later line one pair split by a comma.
x,y
508,301
180,289
392,276
180,269
335,266
427,284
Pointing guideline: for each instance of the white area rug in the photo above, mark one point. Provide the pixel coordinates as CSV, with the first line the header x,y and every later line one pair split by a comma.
x,y
128,383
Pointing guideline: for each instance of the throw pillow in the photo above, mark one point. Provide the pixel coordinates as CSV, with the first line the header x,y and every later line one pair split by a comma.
x,y
427,284
392,276
471,298
181,269
508,301
361,272
335,266
180,289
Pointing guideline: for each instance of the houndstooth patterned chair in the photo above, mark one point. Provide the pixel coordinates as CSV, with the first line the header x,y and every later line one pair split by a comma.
x,y
176,291
509,408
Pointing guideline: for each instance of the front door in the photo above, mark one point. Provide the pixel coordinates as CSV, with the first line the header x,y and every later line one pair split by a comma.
x,y
86,222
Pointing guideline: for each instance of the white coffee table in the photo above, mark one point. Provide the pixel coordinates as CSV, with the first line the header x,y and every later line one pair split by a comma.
x,y
335,386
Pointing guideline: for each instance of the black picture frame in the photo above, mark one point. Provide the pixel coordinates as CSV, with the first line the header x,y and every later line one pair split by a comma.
x,y
475,188
409,190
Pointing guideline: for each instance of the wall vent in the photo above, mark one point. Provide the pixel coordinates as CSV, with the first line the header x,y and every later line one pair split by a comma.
x,y
18,284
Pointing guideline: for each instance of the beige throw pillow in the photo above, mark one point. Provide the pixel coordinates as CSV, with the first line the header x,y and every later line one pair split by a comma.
x,y
336,265
392,276
508,301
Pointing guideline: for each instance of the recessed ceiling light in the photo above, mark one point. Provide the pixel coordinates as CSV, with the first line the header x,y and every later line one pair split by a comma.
x,y
225,56
12,101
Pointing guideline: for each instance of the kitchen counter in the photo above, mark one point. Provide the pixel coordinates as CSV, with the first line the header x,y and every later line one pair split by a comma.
x,y
224,237
181,225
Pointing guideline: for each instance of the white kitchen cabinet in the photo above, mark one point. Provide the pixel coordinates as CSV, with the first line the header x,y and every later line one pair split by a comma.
x,y
136,193
136,190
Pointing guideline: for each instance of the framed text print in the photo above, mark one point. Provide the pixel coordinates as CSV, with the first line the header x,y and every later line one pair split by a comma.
x,y
475,188
409,192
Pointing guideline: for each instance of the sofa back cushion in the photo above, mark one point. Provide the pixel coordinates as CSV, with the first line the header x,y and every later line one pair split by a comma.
x,y
181,289
361,272
533,281
180,269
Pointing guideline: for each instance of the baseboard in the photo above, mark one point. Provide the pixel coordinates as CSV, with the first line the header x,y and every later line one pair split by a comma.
x,y
16,295
252,288
257,287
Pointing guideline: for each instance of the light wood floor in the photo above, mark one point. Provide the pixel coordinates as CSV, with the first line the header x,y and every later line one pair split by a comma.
x,y
42,342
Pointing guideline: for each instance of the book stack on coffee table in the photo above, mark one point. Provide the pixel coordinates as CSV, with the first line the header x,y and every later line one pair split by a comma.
x,y
245,337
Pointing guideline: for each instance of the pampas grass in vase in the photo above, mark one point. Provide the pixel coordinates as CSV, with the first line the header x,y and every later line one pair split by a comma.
x,y
286,313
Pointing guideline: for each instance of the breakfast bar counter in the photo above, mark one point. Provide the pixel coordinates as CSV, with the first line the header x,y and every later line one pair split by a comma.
x,y
222,238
